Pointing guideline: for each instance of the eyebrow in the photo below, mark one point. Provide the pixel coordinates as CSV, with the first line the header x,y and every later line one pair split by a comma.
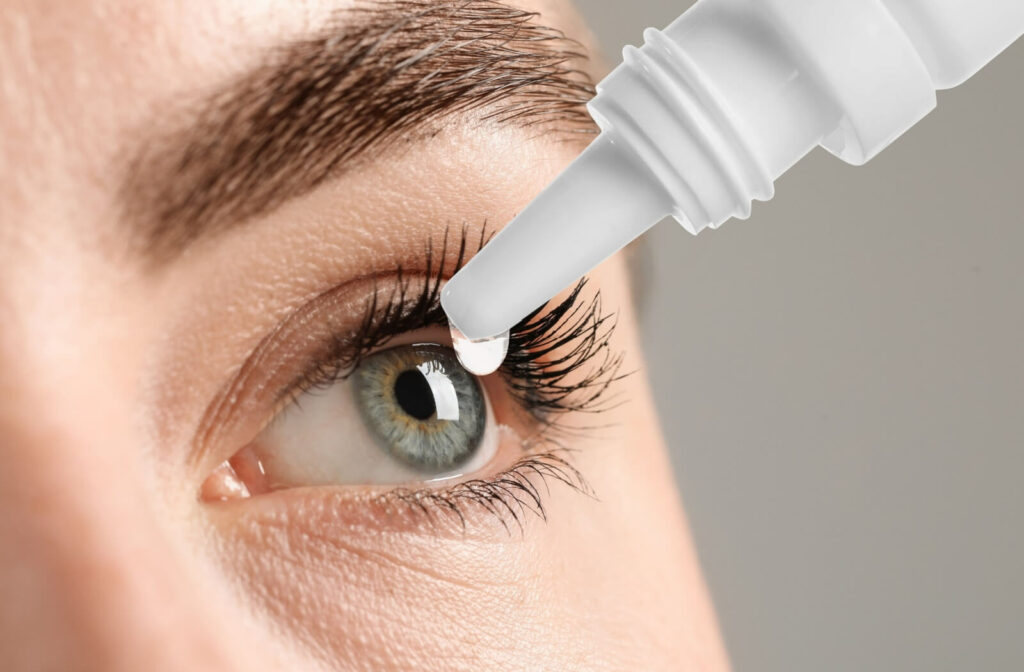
x,y
381,72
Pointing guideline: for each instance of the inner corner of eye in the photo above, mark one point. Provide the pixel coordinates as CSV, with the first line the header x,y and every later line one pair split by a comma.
x,y
410,414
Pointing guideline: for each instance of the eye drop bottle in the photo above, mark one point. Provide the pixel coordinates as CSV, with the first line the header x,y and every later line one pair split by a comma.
x,y
702,119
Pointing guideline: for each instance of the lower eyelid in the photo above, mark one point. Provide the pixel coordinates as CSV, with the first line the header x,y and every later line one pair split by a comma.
x,y
502,503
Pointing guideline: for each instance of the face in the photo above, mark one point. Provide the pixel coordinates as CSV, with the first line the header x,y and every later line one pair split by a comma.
x,y
233,432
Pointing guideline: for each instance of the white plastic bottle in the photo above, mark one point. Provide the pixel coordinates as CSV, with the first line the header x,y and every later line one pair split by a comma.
x,y
705,116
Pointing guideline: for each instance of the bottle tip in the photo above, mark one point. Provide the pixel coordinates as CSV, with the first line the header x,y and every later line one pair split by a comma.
x,y
480,357
475,319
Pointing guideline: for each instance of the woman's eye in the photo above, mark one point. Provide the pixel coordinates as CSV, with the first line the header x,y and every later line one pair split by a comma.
x,y
422,408
408,414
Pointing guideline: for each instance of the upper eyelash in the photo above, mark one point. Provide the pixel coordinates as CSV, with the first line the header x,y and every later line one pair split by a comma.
x,y
546,348
574,333
382,321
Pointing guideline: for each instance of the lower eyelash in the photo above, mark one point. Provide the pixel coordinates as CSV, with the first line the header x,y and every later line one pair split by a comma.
x,y
511,496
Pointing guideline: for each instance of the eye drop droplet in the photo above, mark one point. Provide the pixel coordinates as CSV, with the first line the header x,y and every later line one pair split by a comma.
x,y
482,357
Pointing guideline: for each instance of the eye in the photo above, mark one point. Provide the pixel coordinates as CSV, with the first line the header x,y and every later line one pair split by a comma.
x,y
407,414
320,401
422,407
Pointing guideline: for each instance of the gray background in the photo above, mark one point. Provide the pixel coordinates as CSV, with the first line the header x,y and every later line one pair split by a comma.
x,y
841,380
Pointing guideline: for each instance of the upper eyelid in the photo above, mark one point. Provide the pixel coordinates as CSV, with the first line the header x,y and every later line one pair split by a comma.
x,y
264,374
538,372
436,263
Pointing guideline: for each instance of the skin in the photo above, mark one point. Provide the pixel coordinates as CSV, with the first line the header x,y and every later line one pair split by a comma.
x,y
109,557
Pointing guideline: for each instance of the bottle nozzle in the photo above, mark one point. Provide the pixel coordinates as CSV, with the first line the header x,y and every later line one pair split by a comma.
x,y
600,203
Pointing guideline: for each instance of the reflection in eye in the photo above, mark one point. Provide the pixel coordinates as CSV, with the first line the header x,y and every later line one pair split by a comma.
x,y
423,408
406,414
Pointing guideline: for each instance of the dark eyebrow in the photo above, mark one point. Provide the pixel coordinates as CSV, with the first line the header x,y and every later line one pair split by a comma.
x,y
380,72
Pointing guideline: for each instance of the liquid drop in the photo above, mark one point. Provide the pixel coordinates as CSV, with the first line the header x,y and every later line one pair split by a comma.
x,y
483,357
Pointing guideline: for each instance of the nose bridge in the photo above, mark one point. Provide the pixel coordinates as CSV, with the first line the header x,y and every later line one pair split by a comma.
x,y
98,571
90,579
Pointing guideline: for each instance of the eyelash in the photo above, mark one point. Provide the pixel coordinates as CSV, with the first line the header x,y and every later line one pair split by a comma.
x,y
510,496
546,350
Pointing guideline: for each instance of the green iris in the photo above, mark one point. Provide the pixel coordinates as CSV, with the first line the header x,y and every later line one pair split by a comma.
x,y
421,406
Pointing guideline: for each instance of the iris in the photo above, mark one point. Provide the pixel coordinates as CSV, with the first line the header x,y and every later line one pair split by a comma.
x,y
421,406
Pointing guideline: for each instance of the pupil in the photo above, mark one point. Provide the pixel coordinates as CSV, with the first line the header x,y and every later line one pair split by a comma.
x,y
413,394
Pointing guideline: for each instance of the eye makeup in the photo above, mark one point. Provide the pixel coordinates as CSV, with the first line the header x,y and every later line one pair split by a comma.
x,y
559,363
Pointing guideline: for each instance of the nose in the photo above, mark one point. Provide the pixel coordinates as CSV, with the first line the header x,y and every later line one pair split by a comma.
x,y
91,577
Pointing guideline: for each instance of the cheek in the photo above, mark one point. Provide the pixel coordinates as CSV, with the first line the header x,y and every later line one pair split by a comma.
x,y
365,597
364,592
